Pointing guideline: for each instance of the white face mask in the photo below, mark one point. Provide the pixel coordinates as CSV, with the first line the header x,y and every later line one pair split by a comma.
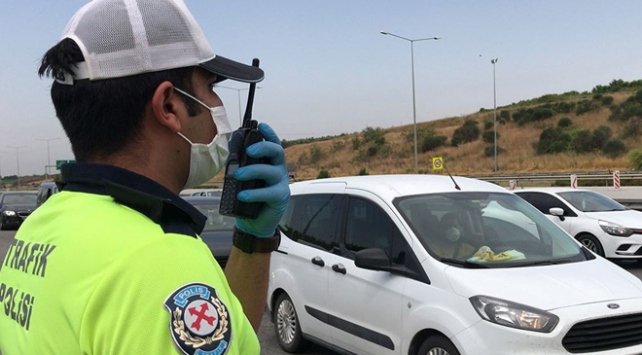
x,y
453,234
206,160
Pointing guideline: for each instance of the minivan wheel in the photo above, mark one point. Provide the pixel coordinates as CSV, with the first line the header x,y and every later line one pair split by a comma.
x,y
437,345
591,243
286,325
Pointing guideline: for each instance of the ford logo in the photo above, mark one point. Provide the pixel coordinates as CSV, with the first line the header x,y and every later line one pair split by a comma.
x,y
613,306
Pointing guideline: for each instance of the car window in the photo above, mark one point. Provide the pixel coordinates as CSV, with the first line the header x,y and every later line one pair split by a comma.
x,y
544,202
313,219
215,220
589,201
493,229
19,199
369,226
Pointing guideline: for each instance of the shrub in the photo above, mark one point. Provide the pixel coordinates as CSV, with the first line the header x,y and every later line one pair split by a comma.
x,y
600,136
504,116
374,135
614,148
489,137
303,158
626,110
316,154
564,122
363,171
607,100
552,140
635,158
489,150
633,127
433,142
337,145
468,132
323,174
488,125
585,106
528,115
356,143
582,141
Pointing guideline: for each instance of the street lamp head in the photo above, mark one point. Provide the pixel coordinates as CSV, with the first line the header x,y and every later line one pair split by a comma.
x,y
383,32
493,61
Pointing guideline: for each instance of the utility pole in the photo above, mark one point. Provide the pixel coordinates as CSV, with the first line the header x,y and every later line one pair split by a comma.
x,y
48,153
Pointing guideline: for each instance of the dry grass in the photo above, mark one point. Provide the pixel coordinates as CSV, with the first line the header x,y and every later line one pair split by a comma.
x,y
517,155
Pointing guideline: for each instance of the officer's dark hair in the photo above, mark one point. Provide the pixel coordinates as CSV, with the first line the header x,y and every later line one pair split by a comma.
x,y
101,117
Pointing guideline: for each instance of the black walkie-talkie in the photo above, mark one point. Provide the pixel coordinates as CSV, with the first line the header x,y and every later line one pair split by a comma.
x,y
242,138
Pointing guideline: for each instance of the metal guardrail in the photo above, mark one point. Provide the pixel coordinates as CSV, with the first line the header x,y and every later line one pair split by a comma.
x,y
624,175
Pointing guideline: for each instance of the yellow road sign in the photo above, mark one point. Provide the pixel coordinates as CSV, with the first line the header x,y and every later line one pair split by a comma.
x,y
437,163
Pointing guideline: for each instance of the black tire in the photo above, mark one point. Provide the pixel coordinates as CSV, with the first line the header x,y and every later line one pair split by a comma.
x,y
437,345
3,226
591,243
286,325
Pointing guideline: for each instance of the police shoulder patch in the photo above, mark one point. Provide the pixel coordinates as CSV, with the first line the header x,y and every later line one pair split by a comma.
x,y
199,321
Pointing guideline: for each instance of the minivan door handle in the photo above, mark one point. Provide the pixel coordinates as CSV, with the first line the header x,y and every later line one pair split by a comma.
x,y
339,268
318,261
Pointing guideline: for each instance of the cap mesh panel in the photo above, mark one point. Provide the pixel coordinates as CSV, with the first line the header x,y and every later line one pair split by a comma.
x,y
105,31
172,29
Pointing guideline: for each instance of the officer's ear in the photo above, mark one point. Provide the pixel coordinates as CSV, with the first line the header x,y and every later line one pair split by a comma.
x,y
167,107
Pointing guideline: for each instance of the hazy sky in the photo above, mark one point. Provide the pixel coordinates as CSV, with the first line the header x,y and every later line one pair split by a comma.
x,y
330,71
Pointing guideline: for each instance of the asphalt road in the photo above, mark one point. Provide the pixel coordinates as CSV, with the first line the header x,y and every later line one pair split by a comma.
x,y
267,338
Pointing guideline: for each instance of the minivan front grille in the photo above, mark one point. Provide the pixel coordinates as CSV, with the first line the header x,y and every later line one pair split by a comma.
x,y
604,334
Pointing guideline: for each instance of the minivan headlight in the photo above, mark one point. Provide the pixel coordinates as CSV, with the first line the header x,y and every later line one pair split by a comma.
x,y
514,315
9,213
614,229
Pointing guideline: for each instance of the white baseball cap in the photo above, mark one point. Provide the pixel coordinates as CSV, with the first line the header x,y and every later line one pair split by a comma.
x,y
120,38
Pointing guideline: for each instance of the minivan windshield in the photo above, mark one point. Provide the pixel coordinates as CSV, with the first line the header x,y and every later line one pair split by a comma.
x,y
487,229
589,201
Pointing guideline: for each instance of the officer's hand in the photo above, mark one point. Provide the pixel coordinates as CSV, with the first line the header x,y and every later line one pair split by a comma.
x,y
276,192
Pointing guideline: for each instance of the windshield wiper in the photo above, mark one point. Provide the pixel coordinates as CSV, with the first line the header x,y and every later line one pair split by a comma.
x,y
464,263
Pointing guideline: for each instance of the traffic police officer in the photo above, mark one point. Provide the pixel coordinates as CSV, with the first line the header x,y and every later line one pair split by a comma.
x,y
113,264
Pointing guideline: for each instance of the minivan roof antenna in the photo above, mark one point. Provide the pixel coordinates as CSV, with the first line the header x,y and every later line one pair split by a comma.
x,y
451,178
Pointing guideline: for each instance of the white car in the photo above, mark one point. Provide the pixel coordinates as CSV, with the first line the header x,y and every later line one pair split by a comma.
x,y
597,221
419,264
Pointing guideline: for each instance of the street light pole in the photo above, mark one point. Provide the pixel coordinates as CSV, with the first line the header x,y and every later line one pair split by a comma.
x,y
494,61
17,163
412,65
48,154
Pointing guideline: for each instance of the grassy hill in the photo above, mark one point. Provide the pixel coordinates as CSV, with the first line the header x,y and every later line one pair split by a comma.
x,y
570,132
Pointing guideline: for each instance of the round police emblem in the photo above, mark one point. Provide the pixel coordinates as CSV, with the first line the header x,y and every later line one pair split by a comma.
x,y
199,322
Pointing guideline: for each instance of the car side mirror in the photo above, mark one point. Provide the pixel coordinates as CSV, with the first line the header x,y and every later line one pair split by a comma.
x,y
372,259
556,211
376,259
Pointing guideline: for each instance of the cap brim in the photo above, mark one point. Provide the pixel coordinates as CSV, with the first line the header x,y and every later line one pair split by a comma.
x,y
229,69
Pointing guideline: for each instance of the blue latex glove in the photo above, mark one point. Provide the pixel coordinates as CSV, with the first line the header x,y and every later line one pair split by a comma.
x,y
275,193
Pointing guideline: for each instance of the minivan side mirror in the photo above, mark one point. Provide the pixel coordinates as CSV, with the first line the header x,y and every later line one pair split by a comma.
x,y
376,259
557,211
372,259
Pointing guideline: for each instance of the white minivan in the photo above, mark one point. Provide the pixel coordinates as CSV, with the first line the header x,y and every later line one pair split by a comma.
x,y
420,264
